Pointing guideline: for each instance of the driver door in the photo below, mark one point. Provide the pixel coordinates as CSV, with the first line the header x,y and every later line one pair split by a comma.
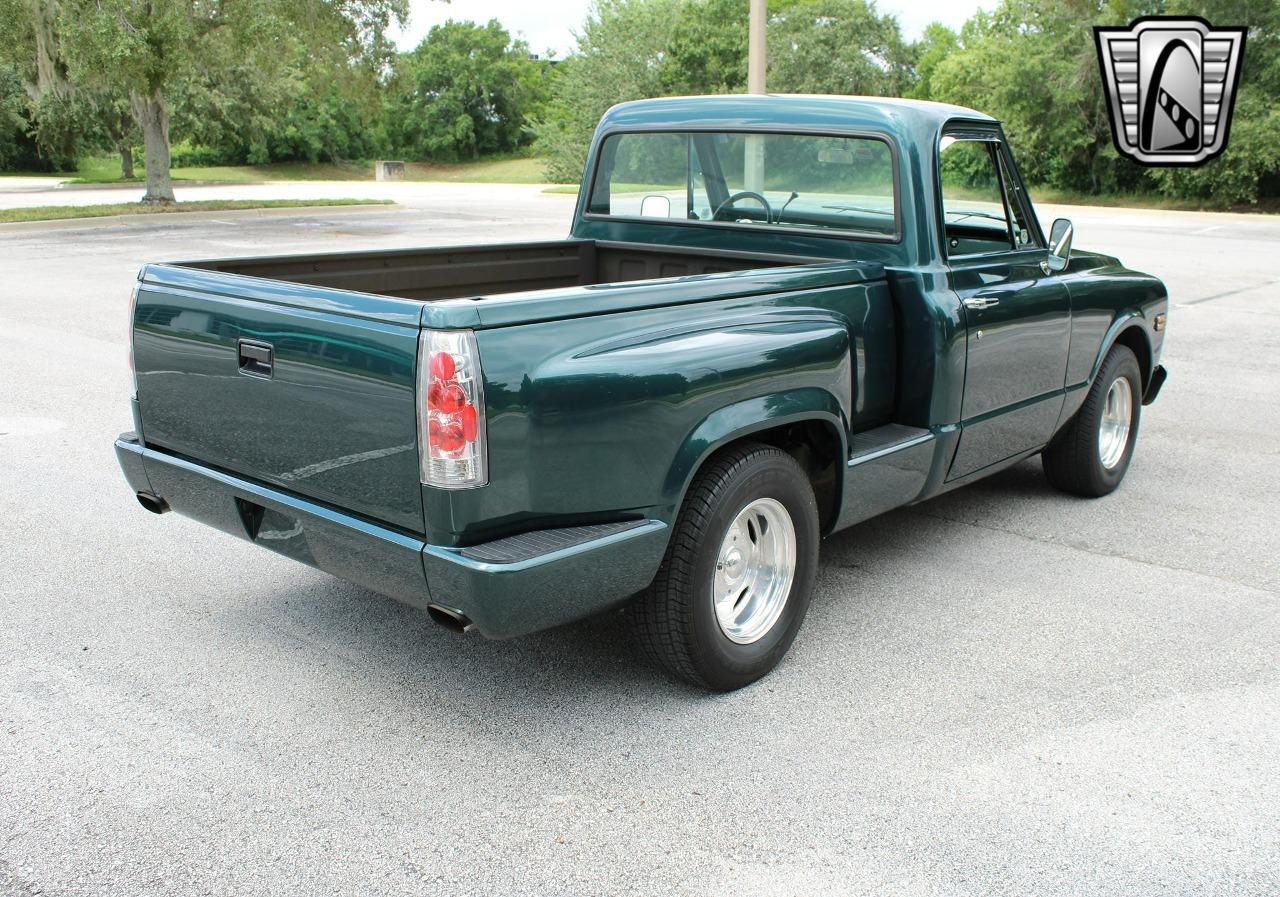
x,y
1017,313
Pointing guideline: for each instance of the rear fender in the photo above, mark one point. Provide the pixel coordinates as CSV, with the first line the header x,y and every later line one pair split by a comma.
x,y
749,417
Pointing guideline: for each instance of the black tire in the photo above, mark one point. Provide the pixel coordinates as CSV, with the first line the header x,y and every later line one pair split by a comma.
x,y
1073,461
675,618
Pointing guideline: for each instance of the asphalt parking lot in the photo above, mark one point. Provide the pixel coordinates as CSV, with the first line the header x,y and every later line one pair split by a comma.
x,y
1004,691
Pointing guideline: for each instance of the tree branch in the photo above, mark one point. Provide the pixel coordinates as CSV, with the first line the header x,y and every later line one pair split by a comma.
x,y
125,25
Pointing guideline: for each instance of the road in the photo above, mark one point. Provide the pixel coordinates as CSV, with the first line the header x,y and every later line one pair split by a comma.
x,y
1003,691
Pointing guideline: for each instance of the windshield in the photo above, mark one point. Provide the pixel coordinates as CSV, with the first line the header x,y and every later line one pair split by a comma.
x,y
764,180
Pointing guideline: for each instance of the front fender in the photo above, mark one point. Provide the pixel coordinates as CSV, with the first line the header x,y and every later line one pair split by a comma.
x,y
1133,326
1107,299
1125,320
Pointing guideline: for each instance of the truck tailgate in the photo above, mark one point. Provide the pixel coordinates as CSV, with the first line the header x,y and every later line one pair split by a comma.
x,y
313,393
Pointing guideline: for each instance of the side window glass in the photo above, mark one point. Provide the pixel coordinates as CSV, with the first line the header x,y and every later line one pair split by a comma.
x,y
1022,237
974,214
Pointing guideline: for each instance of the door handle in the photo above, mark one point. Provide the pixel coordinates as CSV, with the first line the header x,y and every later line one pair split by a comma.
x,y
256,359
980,302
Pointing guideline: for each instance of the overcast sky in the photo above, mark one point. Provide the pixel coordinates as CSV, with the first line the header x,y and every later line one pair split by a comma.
x,y
547,24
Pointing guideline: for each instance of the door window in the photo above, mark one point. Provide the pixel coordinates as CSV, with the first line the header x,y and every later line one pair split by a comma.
x,y
975,215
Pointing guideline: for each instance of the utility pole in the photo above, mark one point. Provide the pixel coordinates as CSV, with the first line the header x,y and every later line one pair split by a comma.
x,y
755,46
756,61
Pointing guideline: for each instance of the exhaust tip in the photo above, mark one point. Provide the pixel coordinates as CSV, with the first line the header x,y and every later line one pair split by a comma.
x,y
450,619
153,503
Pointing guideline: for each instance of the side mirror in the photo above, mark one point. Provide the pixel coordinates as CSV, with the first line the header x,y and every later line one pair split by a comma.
x,y
1059,245
655,206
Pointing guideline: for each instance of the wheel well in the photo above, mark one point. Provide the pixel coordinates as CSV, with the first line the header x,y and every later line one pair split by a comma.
x,y
1136,341
815,445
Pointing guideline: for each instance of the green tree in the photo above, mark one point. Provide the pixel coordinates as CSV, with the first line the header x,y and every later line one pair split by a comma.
x,y
151,48
330,118
79,119
66,119
465,91
320,101
15,145
936,44
839,47
338,110
631,49
1034,66
1250,167
619,57
707,50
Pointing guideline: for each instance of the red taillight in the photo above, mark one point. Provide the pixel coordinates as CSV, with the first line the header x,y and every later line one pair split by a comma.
x,y
470,423
451,416
442,366
446,435
445,396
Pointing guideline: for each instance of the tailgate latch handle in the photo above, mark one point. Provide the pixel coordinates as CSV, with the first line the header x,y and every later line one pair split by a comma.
x,y
257,359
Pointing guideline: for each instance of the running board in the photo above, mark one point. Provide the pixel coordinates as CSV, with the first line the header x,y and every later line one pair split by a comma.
x,y
872,444
888,468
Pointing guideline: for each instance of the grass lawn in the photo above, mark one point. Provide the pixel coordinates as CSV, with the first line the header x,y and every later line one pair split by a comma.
x,y
524,170
1144,201
500,171
55,213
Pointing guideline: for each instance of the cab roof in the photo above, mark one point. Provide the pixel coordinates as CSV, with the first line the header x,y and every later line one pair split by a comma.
x,y
907,119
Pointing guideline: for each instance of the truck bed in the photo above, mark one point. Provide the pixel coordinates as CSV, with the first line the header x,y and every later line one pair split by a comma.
x,y
473,271
333,418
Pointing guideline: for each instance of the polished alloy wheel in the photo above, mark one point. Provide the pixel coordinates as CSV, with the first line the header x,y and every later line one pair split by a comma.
x,y
1117,417
755,570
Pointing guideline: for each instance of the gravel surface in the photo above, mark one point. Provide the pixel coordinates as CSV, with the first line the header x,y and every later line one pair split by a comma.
x,y
1004,691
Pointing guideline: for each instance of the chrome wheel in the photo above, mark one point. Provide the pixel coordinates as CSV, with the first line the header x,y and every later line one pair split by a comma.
x,y
1117,419
754,571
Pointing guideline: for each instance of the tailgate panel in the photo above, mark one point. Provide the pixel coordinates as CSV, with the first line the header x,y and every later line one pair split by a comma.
x,y
336,420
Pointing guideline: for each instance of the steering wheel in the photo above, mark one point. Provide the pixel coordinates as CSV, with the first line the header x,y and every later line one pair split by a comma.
x,y
744,194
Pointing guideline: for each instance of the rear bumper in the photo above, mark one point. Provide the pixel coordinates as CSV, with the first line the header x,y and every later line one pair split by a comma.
x,y
505,588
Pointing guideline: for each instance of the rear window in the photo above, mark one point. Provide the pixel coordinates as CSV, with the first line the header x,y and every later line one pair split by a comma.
x,y
792,181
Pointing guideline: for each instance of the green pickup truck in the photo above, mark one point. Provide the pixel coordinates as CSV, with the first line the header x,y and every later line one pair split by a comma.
x,y
775,317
